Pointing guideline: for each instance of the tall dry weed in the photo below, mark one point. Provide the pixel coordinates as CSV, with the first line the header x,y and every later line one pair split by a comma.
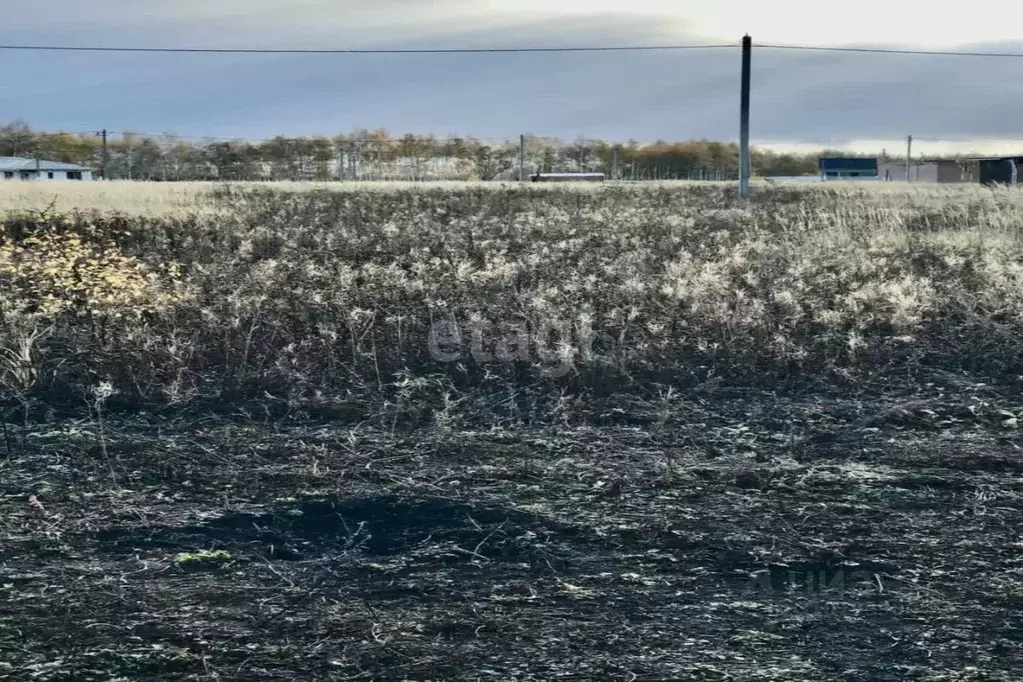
x,y
333,298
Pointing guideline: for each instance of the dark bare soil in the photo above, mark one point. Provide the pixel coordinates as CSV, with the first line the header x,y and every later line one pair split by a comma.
x,y
868,534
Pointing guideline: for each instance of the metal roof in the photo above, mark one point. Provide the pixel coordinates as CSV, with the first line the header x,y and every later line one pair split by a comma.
x,y
17,163
996,158
918,162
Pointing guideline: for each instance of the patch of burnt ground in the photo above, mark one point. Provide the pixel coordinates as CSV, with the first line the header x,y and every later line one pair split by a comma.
x,y
820,537
374,526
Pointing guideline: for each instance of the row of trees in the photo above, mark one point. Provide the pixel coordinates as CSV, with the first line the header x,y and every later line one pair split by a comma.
x,y
376,154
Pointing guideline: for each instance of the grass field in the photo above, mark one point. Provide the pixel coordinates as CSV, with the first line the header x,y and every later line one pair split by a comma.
x,y
486,431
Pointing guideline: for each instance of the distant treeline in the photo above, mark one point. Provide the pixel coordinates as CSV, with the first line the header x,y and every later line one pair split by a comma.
x,y
379,155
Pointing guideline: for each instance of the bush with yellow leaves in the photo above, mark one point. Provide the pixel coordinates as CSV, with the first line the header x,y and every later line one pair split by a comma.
x,y
54,272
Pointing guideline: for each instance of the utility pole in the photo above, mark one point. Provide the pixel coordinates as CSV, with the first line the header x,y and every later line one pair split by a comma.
x,y
909,155
744,160
522,158
614,163
106,155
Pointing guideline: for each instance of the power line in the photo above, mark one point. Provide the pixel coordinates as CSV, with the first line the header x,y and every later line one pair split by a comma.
x,y
170,137
451,50
175,136
881,50
392,139
395,139
502,50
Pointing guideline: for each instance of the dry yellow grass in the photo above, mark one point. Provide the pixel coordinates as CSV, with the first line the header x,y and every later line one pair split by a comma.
x,y
166,198
130,198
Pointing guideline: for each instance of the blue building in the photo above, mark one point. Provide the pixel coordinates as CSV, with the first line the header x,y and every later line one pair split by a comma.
x,y
846,167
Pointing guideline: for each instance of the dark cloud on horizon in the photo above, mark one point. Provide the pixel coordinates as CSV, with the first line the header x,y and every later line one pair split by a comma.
x,y
797,96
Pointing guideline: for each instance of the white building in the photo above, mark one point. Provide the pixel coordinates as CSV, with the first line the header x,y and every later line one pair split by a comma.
x,y
928,171
17,168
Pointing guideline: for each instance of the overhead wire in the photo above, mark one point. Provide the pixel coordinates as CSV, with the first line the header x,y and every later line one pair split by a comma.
x,y
501,50
339,51
884,50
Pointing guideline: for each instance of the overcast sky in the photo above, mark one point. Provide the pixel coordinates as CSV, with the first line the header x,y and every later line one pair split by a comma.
x,y
799,98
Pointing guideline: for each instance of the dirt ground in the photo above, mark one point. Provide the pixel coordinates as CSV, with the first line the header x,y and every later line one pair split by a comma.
x,y
851,533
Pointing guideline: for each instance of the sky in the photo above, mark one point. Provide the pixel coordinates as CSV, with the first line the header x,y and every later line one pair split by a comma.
x,y
800,99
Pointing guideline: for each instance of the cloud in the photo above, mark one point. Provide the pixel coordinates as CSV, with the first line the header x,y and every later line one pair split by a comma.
x,y
908,22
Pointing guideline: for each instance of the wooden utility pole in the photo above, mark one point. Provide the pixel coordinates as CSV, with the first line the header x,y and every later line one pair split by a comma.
x,y
106,155
614,163
744,159
909,156
522,158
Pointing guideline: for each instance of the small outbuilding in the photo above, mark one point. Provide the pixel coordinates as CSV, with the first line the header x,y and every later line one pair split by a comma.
x,y
999,170
938,170
18,168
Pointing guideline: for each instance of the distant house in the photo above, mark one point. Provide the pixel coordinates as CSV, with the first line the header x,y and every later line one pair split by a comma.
x,y
17,168
837,167
1000,169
